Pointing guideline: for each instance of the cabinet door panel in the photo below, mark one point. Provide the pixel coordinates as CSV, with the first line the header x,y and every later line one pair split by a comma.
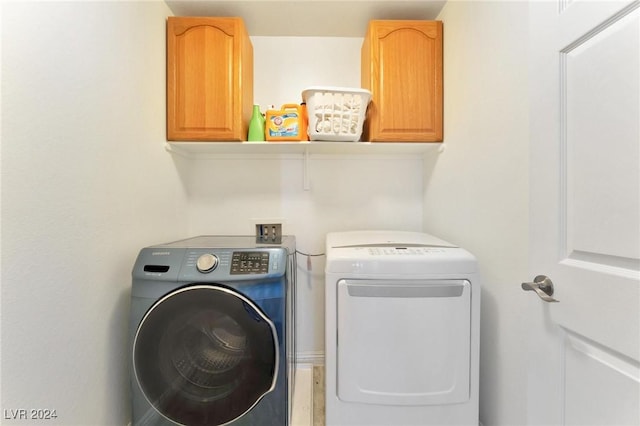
x,y
402,66
208,62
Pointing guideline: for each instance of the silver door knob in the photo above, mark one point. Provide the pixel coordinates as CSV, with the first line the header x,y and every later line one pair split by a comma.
x,y
543,286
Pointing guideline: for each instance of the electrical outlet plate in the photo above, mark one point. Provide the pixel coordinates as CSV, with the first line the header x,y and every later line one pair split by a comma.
x,y
268,231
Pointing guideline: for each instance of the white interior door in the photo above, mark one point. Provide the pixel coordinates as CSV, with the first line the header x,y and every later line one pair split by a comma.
x,y
585,212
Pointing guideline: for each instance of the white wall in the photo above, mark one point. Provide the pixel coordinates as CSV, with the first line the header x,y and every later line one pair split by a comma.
x,y
476,192
85,184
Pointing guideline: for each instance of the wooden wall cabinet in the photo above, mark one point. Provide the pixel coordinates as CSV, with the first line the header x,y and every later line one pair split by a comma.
x,y
209,79
402,67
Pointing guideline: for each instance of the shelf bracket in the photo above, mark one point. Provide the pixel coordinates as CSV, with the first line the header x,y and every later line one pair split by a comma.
x,y
305,170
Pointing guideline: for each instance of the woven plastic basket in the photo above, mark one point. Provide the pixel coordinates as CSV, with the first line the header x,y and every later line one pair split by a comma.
x,y
336,113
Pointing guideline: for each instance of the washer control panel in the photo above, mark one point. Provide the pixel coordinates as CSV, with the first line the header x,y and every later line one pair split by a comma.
x,y
206,263
249,262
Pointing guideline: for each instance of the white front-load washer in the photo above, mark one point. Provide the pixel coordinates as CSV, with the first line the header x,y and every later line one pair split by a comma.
x,y
402,330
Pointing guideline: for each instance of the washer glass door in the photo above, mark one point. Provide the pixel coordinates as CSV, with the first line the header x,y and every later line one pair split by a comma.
x,y
205,354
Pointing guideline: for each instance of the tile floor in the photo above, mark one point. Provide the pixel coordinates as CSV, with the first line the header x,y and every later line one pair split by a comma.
x,y
318,395
308,397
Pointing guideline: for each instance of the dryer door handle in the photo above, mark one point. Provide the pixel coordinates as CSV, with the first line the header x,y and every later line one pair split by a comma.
x,y
405,289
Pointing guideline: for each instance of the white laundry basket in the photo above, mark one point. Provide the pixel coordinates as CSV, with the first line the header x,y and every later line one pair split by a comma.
x,y
336,113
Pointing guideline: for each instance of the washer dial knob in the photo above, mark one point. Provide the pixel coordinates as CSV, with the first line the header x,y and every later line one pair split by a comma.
x,y
207,263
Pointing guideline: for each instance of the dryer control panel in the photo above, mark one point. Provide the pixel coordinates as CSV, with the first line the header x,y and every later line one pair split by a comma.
x,y
404,251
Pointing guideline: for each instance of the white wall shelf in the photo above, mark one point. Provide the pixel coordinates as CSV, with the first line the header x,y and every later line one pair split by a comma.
x,y
304,151
203,150
305,19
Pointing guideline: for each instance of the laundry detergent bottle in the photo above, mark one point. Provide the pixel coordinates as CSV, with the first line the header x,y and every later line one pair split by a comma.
x,y
284,124
256,126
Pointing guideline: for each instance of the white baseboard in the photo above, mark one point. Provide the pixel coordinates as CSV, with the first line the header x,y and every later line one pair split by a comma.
x,y
314,358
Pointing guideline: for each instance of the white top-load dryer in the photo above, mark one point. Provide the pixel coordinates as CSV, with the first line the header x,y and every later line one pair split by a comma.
x,y
402,330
